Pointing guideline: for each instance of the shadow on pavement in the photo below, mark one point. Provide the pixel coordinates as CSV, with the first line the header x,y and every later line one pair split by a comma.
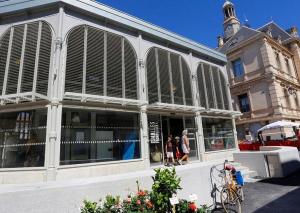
x,y
291,180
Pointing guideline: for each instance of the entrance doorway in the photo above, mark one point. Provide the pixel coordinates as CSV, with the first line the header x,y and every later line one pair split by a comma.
x,y
160,127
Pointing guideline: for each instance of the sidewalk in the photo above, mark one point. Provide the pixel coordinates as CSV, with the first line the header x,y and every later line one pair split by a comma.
x,y
67,196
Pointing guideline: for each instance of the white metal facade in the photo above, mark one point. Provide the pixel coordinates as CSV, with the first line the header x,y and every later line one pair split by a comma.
x,y
46,75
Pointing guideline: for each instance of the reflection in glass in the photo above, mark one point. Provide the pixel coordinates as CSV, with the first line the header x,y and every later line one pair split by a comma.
x,y
98,136
218,134
22,138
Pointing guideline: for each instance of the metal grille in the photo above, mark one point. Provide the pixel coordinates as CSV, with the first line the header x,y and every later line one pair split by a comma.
x,y
3,56
130,71
164,76
187,83
100,63
152,81
74,64
15,60
44,60
218,89
29,57
225,91
209,86
201,86
95,61
176,77
114,65
168,78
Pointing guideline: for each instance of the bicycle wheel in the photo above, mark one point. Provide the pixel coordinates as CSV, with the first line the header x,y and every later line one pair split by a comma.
x,y
230,201
240,193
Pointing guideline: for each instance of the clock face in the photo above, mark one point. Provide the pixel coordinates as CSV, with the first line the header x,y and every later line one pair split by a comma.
x,y
229,29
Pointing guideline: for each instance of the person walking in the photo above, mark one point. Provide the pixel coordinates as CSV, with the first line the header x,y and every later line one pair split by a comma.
x,y
169,150
185,147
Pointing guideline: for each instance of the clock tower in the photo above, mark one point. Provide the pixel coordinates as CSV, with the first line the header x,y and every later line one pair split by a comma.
x,y
231,23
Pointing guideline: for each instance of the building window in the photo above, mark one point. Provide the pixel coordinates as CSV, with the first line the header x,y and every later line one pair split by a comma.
x,y
288,67
22,138
100,63
98,136
277,58
244,103
25,52
238,69
218,134
168,78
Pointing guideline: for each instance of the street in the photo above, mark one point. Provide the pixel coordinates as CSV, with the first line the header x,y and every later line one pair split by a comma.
x,y
273,195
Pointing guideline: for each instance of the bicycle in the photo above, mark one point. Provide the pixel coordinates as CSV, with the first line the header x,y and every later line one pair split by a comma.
x,y
231,194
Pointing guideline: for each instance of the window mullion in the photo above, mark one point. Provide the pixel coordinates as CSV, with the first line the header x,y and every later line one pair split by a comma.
x,y
181,79
84,62
157,75
37,55
105,65
123,69
22,59
170,78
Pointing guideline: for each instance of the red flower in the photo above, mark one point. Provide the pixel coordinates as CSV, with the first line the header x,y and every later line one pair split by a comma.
x,y
138,202
193,207
141,193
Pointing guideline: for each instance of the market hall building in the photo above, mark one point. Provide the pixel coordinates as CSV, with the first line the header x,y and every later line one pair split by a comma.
x,y
86,90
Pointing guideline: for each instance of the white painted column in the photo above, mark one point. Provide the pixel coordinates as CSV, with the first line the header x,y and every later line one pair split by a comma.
x,y
235,133
53,134
144,136
200,137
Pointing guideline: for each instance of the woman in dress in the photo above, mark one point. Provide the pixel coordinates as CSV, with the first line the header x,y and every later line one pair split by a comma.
x,y
185,147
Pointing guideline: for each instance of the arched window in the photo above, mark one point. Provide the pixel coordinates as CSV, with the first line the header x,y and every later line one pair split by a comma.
x,y
168,78
212,87
25,52
100,63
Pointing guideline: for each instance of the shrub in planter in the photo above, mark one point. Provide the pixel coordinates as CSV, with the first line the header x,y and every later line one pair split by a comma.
x,y
185,206
165,185
90,207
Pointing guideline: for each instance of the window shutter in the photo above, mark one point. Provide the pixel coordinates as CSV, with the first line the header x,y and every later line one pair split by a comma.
x,y
130,71
201,86
152,77
15,59
187,83
29,57
164,76
74,64
176,76
95,61
3,56
44,60
114,65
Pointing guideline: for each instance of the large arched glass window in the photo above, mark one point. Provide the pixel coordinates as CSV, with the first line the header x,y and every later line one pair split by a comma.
x,y
100,63
25,52
212,87
168,78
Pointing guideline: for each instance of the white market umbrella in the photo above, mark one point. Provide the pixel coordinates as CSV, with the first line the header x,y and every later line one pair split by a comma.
x,y
278,124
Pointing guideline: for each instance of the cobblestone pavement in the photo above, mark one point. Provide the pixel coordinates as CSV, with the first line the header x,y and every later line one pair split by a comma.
x,y
273,195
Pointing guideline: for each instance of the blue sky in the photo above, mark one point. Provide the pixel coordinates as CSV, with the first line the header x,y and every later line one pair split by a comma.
x,y
201,20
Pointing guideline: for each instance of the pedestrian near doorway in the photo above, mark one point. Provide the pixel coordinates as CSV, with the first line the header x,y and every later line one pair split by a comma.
x,y
176,151
185,147
169,150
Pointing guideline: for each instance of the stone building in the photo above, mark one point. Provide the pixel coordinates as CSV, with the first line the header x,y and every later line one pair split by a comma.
x,y
263,71
86,90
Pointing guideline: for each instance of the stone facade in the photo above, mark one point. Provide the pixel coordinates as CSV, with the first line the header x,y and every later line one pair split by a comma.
x,y
269,83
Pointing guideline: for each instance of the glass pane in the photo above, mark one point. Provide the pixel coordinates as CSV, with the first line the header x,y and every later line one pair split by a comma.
x,y
97,136
190,127
218,134
22,138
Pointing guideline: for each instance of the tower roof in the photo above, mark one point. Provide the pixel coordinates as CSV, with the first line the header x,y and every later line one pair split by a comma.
x,y
227,3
